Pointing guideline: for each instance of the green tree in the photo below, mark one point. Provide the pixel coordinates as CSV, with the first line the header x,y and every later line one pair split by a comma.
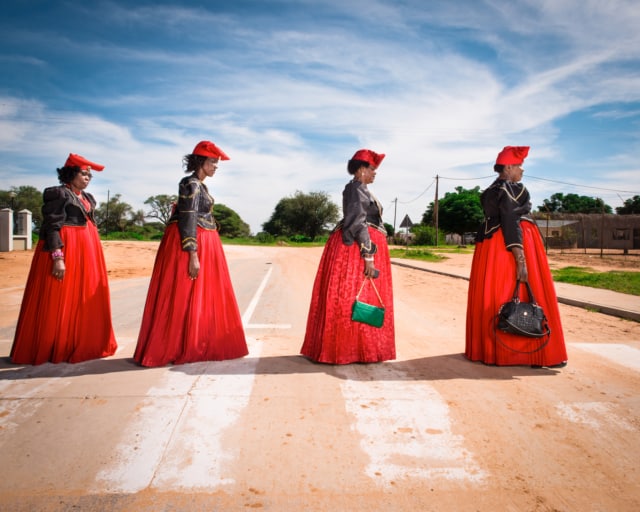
x,y
229,222
114,215
573,203
161,207
424,235
302,214
25,197
458,212
629,207
137,218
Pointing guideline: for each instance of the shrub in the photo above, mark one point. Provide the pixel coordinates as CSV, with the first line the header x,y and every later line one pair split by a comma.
x,y
265,238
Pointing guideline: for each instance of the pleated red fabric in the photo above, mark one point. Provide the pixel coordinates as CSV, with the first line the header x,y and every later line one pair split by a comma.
x,y
68,320
491,284
188,320
331,336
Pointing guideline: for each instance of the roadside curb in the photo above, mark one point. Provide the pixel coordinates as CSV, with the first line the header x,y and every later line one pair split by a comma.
x,y
600,308
562,297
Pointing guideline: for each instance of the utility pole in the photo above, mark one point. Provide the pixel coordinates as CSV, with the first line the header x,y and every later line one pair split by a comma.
x,y
395,210
601,228
435,211
106,220
546,235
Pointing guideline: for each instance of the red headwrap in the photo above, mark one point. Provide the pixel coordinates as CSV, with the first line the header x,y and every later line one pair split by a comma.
x,y
80,161
209,149
366,155
512,155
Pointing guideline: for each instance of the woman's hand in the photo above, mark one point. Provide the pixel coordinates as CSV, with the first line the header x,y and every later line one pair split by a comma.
x,y
58,269
521,265
194,265
369,267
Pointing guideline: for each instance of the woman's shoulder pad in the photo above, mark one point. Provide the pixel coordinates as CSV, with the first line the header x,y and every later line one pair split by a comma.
x,y
53,192
189,180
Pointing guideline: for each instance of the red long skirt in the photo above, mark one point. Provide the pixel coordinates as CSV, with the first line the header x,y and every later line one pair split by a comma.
x,y
188,320
331,335
491,284
68,320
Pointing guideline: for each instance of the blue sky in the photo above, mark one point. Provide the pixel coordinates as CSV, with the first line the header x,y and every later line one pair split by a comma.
x,y
290,89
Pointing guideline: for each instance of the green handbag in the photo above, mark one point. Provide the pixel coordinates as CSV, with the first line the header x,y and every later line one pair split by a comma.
x,y
368,313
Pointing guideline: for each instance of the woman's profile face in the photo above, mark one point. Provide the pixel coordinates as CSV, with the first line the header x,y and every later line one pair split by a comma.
x,y
81,180
367,174
514,172
210,166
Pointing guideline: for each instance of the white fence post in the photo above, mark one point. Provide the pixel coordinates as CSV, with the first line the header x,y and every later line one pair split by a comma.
x,y
6,230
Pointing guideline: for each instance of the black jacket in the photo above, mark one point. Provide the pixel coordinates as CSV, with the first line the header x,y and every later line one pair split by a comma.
x,y
194,209
360,210
505,204
62,207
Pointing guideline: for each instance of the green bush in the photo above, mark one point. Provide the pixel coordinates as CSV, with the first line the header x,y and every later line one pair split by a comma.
x,y
124,235
300,239
265,238
424,235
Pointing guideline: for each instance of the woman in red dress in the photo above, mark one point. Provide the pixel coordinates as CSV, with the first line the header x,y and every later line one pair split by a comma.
x,y
66,311
509,247
355,253
191,313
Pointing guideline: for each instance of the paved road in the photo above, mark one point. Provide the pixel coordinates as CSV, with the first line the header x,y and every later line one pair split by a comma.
x,y
273,431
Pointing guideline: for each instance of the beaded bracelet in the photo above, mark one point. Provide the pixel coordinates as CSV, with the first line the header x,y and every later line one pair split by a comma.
x,y
368,259
57,255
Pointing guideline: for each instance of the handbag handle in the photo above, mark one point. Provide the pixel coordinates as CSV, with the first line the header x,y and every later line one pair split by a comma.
x,y
374,288
515,297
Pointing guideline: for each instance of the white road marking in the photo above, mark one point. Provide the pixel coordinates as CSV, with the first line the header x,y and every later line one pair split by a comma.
x,y
617,352
22,398
174,443
593,414
405,427
254,303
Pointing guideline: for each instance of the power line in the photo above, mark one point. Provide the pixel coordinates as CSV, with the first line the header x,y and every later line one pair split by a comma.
x,y
583,186
420,195
549,180
528,176
467,179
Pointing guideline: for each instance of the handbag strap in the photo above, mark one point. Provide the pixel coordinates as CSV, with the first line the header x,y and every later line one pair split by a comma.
x,y
516,297
537,349
374,288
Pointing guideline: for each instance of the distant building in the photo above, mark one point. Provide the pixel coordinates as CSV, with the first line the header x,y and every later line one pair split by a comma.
x,y
590,231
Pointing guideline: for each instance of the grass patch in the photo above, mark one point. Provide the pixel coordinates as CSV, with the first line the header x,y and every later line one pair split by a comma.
x,y
416,254
617,281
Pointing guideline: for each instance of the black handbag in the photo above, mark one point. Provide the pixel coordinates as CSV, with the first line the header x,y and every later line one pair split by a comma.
x,y
368,313
523,318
